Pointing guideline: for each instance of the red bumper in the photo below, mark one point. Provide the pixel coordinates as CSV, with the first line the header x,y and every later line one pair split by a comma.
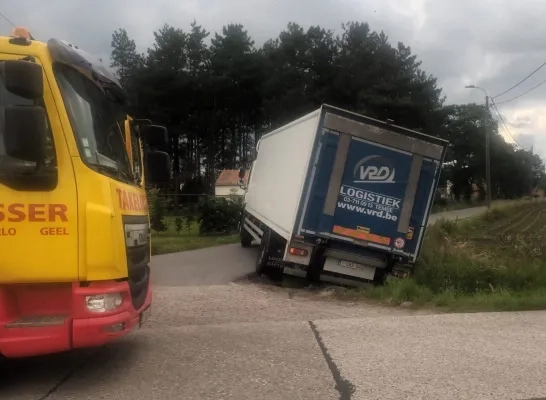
x,y
77,327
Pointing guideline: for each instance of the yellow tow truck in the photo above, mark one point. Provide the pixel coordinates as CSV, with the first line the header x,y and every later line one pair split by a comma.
x,y
74,222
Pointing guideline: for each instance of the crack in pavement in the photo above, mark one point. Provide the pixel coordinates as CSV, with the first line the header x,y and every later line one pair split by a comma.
x,y
344,387
69,375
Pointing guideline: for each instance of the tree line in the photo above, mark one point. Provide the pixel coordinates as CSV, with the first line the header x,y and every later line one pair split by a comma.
x,y
217,94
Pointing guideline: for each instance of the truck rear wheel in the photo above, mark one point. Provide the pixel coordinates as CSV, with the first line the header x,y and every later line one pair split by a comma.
x,y
266,248
246,238
263,255
316,265
381,274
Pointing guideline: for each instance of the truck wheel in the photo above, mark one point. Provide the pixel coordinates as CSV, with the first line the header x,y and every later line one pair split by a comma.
x,y
316,265
246,238
263,255
380,276
266,247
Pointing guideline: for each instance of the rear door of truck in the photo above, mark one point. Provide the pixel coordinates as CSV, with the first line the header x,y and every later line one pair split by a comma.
x,y
371,185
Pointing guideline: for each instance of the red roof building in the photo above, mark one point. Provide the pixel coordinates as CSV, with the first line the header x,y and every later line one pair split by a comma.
x,y
230,177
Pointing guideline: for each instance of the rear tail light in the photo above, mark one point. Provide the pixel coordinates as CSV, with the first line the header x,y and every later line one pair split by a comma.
x,y
298,252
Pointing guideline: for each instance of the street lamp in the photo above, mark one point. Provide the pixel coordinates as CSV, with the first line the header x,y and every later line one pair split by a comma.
x,y
487,152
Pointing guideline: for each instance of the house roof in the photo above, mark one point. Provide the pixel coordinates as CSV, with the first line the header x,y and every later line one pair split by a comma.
x,y
230,177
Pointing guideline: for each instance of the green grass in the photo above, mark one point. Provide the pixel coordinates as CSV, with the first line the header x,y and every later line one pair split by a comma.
x,y
461,205
492,262
171,241
408,291
164,245
454,205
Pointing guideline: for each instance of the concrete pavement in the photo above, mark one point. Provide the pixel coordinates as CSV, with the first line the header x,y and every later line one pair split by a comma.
x,y
240,341
457,356
212,266
215,336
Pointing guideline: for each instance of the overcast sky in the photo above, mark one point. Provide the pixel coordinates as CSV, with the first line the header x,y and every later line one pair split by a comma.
x,y
488,43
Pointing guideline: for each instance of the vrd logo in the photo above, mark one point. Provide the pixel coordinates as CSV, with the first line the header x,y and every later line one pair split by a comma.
x,y
374,169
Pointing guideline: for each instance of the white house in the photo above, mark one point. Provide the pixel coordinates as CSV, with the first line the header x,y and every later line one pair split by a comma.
x,y
228,183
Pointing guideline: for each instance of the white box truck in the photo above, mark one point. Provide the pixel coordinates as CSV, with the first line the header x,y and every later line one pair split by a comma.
x,y
340,197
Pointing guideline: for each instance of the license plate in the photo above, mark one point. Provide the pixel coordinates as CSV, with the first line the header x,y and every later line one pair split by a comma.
x,y
349,268
350,264
144,316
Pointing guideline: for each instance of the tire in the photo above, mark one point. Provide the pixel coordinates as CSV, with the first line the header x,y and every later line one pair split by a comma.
x,y
263,255
380,276
246,238
267,245
316,265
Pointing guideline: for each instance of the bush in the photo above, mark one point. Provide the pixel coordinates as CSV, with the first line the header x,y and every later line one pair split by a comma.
x,y
219,215
439,201
158,209
178,222
190,218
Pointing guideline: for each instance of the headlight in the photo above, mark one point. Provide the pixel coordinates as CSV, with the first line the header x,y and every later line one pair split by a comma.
x,y
103,302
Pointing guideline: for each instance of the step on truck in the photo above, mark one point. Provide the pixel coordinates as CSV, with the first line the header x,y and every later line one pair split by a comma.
x,y
340,197
74,223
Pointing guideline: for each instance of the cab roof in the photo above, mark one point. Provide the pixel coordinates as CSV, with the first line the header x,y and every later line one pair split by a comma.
x,y
21,42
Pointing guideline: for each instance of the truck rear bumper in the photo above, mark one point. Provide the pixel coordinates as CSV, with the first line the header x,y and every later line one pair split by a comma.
x,y
50,327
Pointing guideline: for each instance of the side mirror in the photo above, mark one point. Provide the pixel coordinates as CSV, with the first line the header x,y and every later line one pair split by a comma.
x,y
142,122
242,173
155,136
22,78
25,133
158,167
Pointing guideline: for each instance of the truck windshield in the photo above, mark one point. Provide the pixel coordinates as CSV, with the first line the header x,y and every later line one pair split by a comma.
x,y
97,122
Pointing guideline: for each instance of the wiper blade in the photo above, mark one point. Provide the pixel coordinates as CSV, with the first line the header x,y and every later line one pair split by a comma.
x,y
114,171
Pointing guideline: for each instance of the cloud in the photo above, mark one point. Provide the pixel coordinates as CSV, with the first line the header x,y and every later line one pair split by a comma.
x,y
488,43
521,121
526,140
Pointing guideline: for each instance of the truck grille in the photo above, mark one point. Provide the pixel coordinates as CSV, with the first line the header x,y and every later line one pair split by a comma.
x,y
137,244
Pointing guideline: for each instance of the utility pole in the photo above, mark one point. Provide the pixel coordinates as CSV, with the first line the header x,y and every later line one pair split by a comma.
x,y
487,155
532,172
487,147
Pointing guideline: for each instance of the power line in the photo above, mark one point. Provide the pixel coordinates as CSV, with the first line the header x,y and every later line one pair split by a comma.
x,y
7,19
520,82
523,94
503,133
504,124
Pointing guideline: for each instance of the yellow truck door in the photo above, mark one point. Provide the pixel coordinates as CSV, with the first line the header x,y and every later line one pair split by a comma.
x,y
38,205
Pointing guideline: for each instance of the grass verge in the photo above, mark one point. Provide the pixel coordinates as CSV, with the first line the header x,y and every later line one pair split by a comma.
x,y
491,262
164,245
188,238
463,205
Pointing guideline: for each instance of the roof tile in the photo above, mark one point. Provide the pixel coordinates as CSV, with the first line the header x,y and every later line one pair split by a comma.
x,y
230,177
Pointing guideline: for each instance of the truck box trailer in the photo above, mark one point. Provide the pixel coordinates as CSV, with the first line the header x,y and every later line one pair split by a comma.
x,y
340,197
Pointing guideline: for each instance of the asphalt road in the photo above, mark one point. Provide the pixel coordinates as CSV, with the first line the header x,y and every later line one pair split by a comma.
x,y
215,335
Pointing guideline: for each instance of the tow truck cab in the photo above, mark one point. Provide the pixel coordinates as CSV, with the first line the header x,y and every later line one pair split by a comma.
x,y
74,223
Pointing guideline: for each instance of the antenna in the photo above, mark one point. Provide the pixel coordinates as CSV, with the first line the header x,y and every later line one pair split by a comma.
x,y
12,24
7,19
